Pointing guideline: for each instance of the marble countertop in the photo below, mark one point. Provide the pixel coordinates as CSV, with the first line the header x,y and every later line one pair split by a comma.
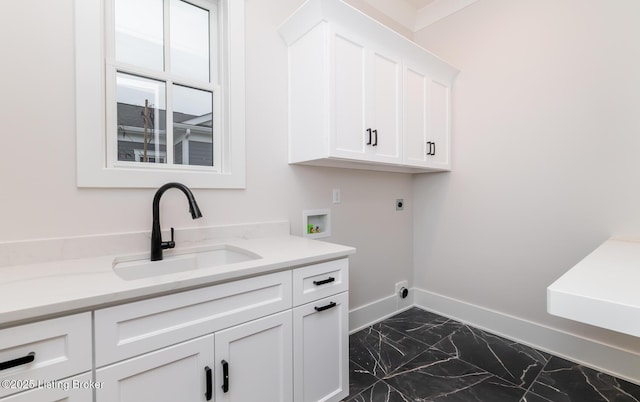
x,y
38,290
602,289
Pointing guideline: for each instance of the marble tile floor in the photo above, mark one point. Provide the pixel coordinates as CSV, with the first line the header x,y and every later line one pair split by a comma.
x,y
421,356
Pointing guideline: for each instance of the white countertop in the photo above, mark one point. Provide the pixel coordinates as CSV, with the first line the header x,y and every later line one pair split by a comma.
x,y
38,290
603,289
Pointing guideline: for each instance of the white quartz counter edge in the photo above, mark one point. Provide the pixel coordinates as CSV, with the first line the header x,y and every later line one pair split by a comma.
x,y
35,291
602,289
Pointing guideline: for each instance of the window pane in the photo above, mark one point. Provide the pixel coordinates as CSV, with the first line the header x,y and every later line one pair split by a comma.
x,y
192,126
189,40
141,119
139,33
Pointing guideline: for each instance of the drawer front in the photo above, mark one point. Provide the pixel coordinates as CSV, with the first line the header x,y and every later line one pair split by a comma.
x,y
75,389
135,328
44,351
320,280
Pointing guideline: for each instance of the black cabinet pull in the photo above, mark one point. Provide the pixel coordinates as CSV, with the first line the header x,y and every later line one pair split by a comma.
x,y
324,281
368,136
327,307
18,362
431,148
207,374
375,133
225,376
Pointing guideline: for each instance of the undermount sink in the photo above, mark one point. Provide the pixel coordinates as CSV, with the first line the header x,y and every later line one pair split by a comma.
x,y
130,268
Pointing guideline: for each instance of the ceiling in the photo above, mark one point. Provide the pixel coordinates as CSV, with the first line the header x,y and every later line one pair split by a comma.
x,y
420,4
418,14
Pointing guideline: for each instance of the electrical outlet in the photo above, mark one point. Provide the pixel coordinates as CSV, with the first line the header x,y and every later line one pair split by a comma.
x,y
403,298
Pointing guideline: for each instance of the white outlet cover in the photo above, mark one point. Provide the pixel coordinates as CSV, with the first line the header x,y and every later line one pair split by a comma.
x,y
336,196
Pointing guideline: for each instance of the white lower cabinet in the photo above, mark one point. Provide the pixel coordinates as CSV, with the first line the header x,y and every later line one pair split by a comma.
x,y
44,360
254,361
175,373
321,350
247,362
136,328
279,337
75,389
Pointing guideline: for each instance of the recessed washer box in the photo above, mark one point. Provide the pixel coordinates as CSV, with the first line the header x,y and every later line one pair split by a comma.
x,y
316,223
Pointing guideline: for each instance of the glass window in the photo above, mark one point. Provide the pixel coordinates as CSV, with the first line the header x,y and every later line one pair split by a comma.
x,y
139,33
151,105
192,126
189,41
141,118
145,107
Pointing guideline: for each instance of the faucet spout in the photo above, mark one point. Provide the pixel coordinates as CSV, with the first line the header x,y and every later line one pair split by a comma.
x,y
157,245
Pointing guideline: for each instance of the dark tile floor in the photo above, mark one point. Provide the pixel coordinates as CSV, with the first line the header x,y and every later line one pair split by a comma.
x,y
421,356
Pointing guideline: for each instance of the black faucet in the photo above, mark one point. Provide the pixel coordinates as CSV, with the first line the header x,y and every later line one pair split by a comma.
x,y
157,245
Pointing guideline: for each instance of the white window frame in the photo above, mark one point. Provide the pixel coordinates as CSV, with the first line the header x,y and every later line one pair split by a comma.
x,y
150,154
95,169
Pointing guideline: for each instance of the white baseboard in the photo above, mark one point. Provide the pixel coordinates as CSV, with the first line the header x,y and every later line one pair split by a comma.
x,y
602,357
378,310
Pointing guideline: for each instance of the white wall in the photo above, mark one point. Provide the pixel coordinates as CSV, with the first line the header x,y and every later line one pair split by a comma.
x,y
39,197
546,140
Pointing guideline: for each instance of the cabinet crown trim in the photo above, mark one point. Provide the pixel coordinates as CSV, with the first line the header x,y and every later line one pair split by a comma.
x,y
337,12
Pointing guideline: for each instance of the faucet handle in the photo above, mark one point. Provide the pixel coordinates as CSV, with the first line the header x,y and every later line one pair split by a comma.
x,y
170,243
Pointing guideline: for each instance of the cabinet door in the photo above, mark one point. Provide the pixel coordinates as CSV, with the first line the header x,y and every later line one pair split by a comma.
x,y
253,361
426,121
321,350
384,109
366,102
439,124
75,389
348,102
416,85
175,373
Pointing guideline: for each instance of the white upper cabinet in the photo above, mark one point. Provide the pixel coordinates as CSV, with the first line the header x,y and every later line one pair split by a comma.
x,y
367,113
426,120
361,95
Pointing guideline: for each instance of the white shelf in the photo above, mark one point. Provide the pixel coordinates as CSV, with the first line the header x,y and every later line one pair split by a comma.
x,y
603,289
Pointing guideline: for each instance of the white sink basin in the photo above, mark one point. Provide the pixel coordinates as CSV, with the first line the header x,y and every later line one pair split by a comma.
x,y
130,268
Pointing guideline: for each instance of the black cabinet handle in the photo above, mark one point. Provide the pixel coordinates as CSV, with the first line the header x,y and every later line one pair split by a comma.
x,y
431,148
324,281
327,307
18,362
368,136
225,376
209,392
375,133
